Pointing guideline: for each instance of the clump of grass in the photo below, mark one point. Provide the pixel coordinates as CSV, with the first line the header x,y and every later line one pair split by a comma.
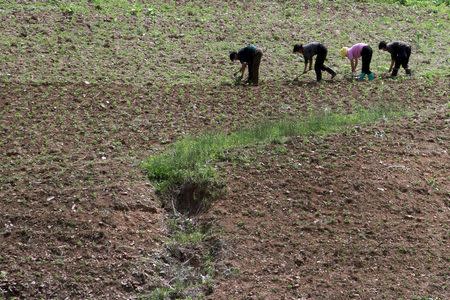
x,y
162,293
192,159
195,237
185,232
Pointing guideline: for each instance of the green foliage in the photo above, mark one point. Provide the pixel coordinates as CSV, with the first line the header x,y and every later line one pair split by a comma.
x,y
3,274
172,292
139,42
418,2
188,238
191,159
111,6
431,75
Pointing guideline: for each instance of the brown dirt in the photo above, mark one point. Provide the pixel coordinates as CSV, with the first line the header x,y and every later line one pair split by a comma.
x,y
79,219
359,215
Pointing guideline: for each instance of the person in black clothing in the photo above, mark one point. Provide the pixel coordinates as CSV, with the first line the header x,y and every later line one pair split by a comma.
x,y
400,53
308,51
249,56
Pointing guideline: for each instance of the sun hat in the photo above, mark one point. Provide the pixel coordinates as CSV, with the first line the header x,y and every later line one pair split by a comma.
x,y
343,52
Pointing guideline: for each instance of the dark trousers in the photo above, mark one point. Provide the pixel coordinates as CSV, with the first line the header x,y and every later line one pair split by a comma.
x,y
366,55
253,67
319,64
402,59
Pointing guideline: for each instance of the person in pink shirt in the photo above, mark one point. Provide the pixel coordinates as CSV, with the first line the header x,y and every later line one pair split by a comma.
x,y
354,53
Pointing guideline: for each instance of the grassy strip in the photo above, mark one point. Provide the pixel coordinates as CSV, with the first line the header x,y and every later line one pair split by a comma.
x,y
190,159
425,3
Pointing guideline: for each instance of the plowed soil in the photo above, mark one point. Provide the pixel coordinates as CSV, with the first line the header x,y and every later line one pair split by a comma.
x,y
361,213
90,89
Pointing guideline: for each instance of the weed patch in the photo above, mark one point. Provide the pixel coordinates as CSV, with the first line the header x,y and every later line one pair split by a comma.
x,y
191,256
188,165
423,3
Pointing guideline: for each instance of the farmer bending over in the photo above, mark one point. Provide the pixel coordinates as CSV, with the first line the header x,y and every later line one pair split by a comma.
x,y
308,51
400,53
249,56
356,51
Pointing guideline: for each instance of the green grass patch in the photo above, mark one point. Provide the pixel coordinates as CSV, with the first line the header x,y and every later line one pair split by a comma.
x,y
192,158
426,3
190,238
162,293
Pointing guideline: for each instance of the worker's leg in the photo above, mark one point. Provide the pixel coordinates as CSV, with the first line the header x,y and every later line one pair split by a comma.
x,y
366,55
406,62
250,70
318,66
323,56
399,60
257,62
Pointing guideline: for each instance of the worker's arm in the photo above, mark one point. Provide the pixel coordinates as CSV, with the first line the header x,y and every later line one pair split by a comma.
x,y
392,65
354,64
306,64
244,65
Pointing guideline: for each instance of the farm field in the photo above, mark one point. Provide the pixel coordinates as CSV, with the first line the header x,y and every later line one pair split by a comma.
x,y
90,90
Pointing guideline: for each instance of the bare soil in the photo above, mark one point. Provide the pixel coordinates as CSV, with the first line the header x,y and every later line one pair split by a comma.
x,y
78,217
362,213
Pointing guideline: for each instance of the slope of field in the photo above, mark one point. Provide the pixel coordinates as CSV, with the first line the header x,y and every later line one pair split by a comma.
x,y
79,218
